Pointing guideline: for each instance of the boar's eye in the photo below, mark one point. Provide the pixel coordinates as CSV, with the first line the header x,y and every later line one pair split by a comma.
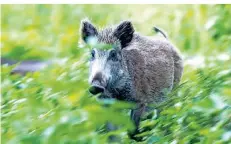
x,y
92,54
113,55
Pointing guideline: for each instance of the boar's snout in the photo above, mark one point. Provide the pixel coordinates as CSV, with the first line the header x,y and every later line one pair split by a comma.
x,y
95,89
97,84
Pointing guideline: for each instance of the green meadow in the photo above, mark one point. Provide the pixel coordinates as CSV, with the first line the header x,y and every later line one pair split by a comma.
x,y
53,106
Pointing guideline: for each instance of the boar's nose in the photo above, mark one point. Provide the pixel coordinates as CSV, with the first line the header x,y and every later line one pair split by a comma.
x,y
97,85
95,89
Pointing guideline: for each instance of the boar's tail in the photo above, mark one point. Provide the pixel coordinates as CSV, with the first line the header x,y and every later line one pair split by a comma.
x,y
156,29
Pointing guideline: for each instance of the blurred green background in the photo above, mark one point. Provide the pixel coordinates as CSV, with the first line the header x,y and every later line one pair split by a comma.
x,y
53,105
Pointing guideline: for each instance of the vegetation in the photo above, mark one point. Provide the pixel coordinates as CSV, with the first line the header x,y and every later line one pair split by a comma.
x,y
54,106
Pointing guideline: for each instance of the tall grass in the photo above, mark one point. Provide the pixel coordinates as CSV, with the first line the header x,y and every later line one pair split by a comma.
x,y
54,106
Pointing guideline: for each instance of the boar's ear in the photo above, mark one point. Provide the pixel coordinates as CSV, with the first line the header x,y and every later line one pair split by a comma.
x,y
88,30
124,32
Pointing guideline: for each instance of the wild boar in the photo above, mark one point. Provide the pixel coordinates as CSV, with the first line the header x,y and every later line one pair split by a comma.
x,y
137,69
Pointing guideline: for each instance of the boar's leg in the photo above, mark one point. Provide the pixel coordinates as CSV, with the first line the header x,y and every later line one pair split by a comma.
x,y
136,115
112,138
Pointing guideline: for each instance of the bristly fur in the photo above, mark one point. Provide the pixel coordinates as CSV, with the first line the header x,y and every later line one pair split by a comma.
x,y
106,36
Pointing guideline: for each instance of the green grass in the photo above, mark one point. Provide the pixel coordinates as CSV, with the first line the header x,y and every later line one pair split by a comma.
x,y
54,106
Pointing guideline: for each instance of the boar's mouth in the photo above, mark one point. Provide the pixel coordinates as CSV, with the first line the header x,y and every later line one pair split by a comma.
x,y
96,88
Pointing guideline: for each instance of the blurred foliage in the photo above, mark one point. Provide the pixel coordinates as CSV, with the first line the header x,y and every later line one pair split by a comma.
x,y
54,106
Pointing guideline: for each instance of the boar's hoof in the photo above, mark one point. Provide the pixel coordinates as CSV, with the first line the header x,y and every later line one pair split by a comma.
x,y
133,136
